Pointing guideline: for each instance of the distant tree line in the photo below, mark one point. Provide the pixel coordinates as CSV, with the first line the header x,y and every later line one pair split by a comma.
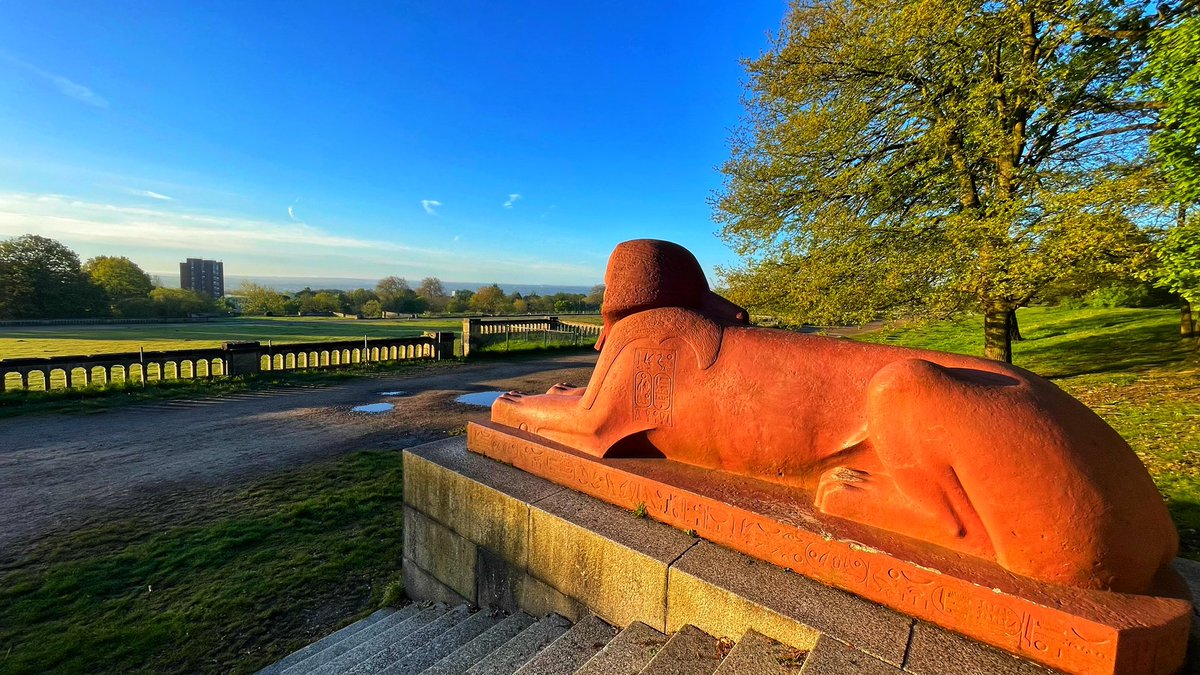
x,y
393,296
41,278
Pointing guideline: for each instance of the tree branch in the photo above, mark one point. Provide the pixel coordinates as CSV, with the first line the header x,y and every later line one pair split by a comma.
x,y
1147,126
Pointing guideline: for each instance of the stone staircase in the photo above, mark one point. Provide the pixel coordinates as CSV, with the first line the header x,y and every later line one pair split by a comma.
x,y
439,639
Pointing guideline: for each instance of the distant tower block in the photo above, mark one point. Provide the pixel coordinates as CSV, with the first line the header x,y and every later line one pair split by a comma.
x,y
205,276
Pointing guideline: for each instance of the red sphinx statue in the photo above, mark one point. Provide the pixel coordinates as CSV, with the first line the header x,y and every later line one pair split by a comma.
x,y
973,455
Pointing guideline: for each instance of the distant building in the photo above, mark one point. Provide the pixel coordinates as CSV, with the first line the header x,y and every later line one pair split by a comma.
x,y
205,276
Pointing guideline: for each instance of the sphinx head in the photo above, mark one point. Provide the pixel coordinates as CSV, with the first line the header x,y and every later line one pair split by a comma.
x,y
646,274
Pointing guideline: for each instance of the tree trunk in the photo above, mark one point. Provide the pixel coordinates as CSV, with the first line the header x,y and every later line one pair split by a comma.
x,y
1014,330
1187,325
997,336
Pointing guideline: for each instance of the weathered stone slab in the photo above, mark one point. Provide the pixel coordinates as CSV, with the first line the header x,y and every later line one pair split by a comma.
x,y
627,653
831,657
608,559
935,651
519,650
757,654
475,650
483,503
1070,629
689,652
572,649
423,586
541,599
439,551
725,593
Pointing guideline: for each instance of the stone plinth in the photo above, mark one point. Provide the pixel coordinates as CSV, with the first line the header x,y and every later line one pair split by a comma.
x,y
484,532
1068,629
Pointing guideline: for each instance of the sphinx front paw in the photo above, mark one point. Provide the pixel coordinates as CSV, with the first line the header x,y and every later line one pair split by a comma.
x,y
841,490
507,410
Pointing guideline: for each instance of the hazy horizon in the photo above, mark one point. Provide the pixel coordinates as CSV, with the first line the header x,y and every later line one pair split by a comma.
x,y
291,284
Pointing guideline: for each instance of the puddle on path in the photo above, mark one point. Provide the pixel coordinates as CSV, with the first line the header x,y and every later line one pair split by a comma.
x,y
483,399
373,408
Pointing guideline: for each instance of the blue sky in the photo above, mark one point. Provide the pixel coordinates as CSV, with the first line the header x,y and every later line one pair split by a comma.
x,y
507,142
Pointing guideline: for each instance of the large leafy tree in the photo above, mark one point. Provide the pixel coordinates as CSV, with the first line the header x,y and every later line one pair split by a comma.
x,y
488,299
1173,72
434,293
258,300
921,157
120,278
395,295
41,278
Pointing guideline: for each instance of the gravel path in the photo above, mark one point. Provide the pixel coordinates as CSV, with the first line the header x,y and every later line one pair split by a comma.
x,y
57,471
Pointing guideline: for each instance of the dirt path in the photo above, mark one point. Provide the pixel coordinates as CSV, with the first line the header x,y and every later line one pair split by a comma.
x,y
57,471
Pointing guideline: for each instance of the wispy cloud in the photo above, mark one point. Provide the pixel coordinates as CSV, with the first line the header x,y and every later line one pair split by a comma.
x,y
151,194
512,199
65,86
292,214
429,205
70,218
161,237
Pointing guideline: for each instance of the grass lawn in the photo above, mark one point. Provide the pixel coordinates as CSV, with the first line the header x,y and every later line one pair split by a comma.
x,y
1129,365
231,582
27,341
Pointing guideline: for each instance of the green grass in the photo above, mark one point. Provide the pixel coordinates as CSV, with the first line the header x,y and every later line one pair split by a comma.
x,y
233,582
1129,365
31,341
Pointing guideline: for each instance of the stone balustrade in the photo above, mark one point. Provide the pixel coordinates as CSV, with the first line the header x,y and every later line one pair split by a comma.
x,y
477,330
231,359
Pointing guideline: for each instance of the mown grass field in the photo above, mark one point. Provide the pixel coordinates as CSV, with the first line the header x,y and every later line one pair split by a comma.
x,y
28,341
1129,365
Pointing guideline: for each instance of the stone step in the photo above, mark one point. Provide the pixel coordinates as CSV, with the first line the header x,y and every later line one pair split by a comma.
x,y
333,652
627,653
446,643
757,654
690,651
396,650
351,650
830,657
572,649
472,652
516,652
343,633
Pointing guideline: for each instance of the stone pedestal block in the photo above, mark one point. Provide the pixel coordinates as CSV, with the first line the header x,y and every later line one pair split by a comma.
x,y
1065,628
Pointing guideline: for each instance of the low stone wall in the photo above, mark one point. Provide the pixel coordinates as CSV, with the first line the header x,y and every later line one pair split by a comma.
x,y
232,359
483,532
478,331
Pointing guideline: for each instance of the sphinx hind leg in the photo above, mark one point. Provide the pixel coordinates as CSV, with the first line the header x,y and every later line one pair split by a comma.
x,y
915,491
872,497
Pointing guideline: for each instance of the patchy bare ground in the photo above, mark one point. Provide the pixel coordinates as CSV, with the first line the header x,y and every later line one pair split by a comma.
x,y
59,471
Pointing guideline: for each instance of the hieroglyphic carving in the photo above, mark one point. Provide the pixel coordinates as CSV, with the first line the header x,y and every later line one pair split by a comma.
x,y
1044,634
654,386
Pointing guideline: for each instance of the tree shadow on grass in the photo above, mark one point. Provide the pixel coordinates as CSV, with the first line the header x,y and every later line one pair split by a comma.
x,y
1133,348
1185,511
